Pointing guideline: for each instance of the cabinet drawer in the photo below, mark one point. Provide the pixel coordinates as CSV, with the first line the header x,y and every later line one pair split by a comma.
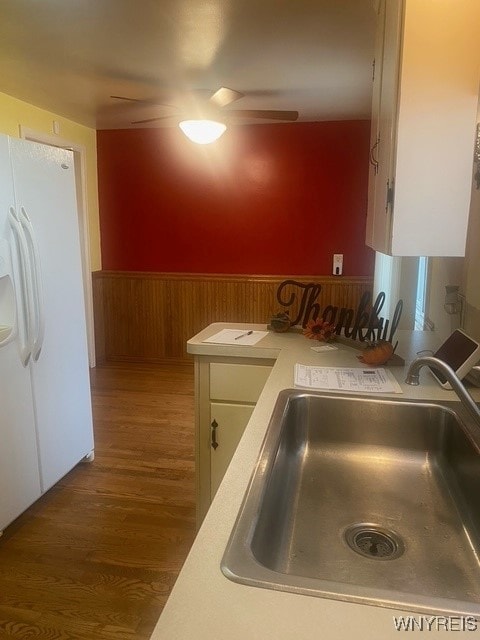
x,y
237,382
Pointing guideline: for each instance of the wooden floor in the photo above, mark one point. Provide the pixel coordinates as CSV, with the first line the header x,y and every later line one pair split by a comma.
x,y
96,557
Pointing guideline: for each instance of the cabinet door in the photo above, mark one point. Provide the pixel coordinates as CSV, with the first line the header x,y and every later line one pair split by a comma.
x,y
419,196
375,120
231,420
384,110
436,122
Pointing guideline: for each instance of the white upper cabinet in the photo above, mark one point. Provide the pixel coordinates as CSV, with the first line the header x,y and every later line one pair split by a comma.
x,y
425,96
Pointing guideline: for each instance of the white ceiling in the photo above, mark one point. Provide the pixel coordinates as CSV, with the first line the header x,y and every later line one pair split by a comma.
x,y
69,56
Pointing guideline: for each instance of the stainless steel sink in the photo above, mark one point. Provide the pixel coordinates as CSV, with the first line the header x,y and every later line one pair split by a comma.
x,y
364,500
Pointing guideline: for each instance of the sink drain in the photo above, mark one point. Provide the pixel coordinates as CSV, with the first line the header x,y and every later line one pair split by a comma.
x,y
372,541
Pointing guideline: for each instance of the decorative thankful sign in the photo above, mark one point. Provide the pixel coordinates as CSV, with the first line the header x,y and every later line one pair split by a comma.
x,y
363,323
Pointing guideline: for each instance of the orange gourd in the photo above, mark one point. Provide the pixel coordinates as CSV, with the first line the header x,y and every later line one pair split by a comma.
x,y
377,353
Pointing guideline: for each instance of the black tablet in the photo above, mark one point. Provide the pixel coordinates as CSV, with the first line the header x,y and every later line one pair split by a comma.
x,y
460,352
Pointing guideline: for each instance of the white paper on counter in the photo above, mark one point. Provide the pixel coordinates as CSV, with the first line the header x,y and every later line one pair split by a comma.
x,y
236,336
323,348
346,379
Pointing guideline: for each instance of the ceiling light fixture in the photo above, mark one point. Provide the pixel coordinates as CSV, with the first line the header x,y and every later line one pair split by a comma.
x,y
202,131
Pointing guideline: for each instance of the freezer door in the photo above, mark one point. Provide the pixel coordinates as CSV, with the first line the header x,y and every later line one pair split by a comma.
x,y
44,183
19,474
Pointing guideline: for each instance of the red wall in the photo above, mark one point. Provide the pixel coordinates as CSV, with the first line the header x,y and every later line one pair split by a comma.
x,y
264,199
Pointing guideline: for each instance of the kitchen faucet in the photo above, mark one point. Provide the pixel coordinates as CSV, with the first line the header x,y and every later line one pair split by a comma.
x,y
435,363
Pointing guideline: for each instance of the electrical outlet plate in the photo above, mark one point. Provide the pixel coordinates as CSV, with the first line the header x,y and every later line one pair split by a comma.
x,y
337,264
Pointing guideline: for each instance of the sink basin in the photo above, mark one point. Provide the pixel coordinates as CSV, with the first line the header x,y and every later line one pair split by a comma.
x,y
367,500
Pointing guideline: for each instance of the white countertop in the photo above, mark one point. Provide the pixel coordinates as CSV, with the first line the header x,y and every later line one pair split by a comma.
x,y
204,604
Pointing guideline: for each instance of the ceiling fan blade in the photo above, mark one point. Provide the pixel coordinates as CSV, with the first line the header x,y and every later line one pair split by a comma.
x,y
124,98
152,119
146,101
291,116
224,96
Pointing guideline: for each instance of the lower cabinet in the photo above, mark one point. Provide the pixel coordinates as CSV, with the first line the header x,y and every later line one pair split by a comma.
x,y
228,422
226,391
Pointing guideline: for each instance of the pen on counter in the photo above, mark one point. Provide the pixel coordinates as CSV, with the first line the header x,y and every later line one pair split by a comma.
x,y
249,333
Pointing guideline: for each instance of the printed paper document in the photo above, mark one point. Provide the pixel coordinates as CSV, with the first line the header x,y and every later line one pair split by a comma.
x,y
346,379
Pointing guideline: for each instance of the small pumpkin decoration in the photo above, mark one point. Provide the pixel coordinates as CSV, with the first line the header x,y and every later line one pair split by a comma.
x,y
280,322
377,353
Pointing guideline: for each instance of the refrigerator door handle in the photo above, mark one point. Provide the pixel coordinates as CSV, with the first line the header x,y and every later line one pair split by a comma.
x,y
37,292
26,341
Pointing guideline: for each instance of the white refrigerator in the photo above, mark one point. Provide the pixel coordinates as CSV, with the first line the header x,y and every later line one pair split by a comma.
x,y
45,404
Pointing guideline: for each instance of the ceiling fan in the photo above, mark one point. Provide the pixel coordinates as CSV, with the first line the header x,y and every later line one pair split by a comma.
x,y
204,121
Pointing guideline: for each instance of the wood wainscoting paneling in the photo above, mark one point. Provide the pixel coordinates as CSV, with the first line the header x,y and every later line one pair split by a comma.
x,y
150,316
